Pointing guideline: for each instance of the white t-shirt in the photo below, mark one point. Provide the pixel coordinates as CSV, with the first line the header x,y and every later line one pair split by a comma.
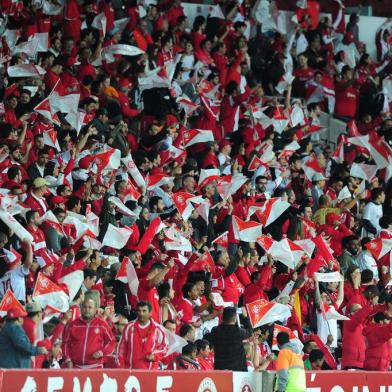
x,y
366,261
15,280
373,212
327,327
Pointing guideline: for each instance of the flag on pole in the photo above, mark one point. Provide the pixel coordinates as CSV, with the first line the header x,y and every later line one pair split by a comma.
x,y
262,312
9,301
99,23
116,237
121,207
194,136
184,203
50,139
127,275
229,185
272,209
25,71
363,171
222,240
293,339
134,171
379,247
73,281
108,160
207,176
246,231
48,293
45,109
157,180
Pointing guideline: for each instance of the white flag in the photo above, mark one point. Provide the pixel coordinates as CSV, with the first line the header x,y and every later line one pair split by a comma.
x,y
116,237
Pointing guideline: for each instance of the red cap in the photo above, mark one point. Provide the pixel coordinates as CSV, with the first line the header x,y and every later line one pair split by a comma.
x,y
125,83
171,120
224,143
14,313
58,200
84,163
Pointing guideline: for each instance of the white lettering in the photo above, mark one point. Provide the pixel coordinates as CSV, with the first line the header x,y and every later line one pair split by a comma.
x,y
164,382
55,383
108,385
30,385
313,389
132,385
87,387
365,389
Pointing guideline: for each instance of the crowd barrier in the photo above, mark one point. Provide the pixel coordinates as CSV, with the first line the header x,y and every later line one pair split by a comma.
x,y
113,380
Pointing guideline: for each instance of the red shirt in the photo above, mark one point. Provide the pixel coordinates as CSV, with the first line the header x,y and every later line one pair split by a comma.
x,y
253,293
150,294
83,338
41,206
139,341
346,100
73,22
206,363
185,310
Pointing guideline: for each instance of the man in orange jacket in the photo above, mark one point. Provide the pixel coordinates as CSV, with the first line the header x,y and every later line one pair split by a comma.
x,y
289,366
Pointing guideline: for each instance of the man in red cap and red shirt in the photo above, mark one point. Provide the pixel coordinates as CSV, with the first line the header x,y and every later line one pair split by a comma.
x,y
87,339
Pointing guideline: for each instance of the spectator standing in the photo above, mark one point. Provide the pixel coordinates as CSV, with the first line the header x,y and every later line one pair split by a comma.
x,y
87,339
15,347
227,341
143,341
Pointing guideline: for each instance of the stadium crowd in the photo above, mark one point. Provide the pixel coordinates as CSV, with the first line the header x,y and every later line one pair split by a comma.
x,y
169,198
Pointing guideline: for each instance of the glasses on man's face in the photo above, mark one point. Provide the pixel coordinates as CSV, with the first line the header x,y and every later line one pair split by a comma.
x,y
261,183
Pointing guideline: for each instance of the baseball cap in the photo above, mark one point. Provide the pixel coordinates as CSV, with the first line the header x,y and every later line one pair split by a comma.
x,y
318,177
58,200
33,307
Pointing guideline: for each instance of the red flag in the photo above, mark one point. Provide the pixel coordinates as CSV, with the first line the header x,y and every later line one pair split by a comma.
x,y
157,180
127,274
246,231
379,247
255,163
183,202
48,293
44,108
108,160
262,312
193,136
222,240
9,301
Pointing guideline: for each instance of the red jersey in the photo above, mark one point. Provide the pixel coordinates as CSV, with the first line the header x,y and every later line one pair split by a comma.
x,y
82,338
137,342
150,294
206,363
185,310
346,100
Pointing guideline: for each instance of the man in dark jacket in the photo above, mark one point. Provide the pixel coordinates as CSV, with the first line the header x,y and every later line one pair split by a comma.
x,y
15,347
227,342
